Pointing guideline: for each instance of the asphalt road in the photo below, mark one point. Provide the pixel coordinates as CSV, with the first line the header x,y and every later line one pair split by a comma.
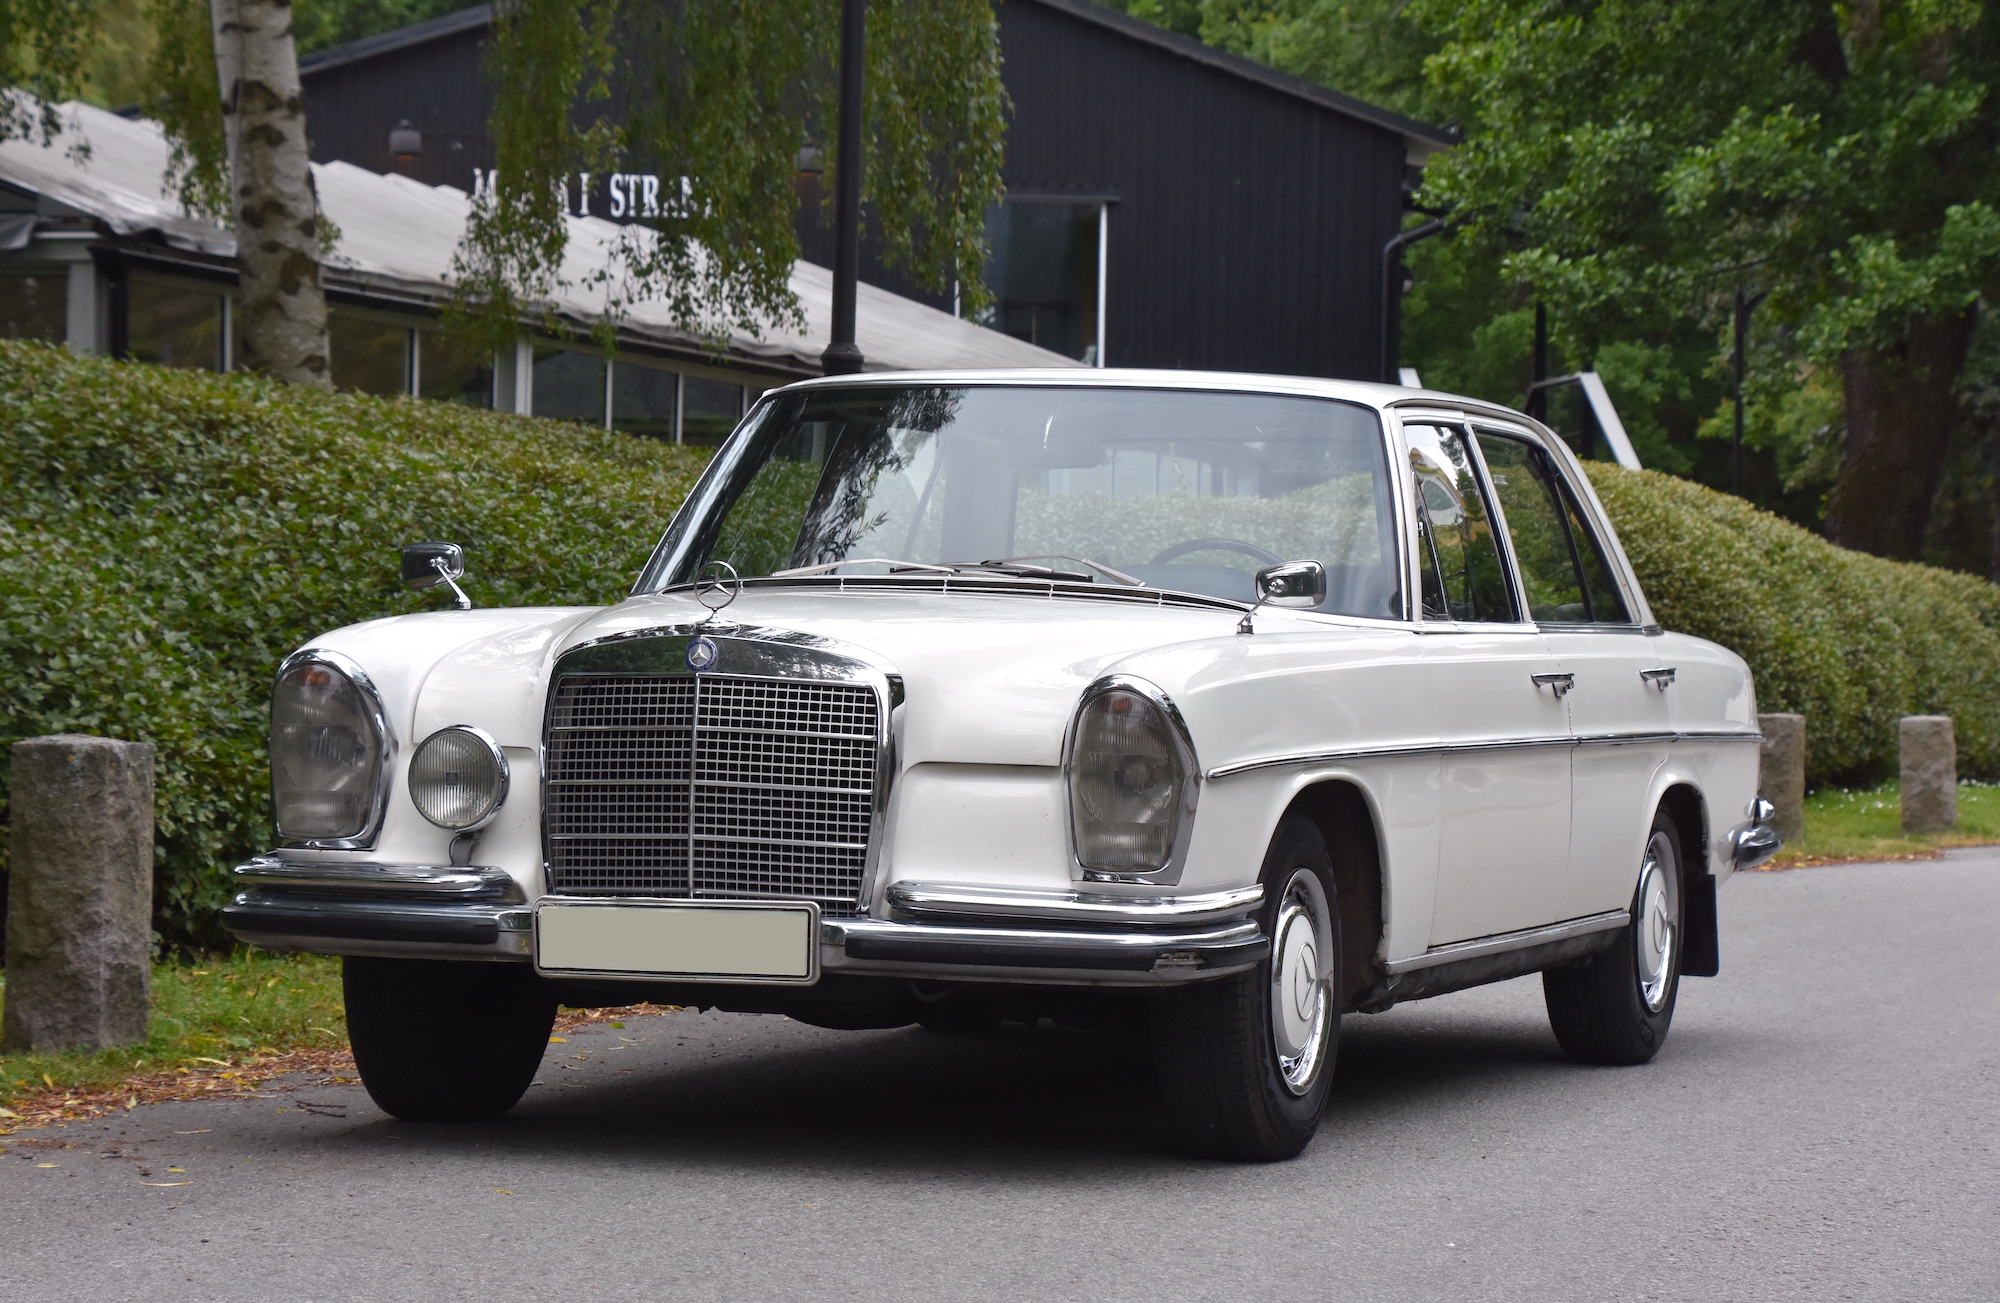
x,y
1820,1125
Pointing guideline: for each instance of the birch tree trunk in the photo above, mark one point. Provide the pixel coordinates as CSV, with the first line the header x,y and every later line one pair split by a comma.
x,y
281,324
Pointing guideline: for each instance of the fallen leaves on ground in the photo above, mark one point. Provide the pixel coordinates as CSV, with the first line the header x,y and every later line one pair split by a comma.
x,y
247,1078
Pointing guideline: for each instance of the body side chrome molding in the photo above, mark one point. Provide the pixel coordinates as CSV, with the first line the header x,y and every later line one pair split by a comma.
x,y
1505,941
955,900
1462,748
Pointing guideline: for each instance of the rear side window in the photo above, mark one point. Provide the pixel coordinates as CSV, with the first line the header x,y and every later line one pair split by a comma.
x,y
1564,578
1458,558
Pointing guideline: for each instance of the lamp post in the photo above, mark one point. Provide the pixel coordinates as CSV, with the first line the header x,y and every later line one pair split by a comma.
x,y
843,355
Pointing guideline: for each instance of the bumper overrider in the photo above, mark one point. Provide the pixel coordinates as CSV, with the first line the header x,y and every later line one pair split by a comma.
x,y
929,931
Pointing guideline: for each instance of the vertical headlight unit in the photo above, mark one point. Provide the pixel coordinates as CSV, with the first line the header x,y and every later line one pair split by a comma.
x,y
1133,779
330,752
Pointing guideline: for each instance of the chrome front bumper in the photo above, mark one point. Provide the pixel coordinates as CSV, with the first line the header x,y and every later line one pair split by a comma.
x,y
934,932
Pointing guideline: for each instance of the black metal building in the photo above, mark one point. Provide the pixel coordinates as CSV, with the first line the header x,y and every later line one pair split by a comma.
x,y
1168,204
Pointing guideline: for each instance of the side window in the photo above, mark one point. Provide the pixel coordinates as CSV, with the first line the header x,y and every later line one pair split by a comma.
x,y
1563,575
1459,561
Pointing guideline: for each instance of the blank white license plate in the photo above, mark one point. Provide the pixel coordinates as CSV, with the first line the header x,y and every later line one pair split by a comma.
x,y
687,939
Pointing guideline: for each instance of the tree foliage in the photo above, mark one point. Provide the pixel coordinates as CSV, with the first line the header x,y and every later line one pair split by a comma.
x,y
718,97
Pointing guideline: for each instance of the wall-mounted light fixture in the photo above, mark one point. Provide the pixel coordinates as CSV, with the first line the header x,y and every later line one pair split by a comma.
x,y
406,142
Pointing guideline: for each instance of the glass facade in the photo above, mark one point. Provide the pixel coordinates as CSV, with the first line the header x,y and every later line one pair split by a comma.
x,y
368,356
453,371
710,410
569,386
34,307
1041,268
173,326
644,400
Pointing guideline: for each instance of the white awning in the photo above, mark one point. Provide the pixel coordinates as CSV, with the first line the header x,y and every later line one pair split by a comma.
x,y
398,236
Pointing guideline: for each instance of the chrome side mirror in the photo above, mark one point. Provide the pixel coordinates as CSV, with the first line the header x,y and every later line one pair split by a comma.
x,y
426,565
1298,584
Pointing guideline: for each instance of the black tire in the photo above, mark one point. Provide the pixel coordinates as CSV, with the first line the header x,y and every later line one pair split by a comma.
x,y
1216,1044
1616,1006
446,1041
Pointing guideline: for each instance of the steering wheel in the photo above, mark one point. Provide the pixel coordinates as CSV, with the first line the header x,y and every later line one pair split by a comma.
x,y
1179,550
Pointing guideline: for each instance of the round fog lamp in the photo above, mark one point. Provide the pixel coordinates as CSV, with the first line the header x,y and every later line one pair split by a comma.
x,y
458,778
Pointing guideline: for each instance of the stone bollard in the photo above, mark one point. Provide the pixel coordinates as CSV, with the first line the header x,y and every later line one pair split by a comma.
x,y
79,893
1929,756
1781,777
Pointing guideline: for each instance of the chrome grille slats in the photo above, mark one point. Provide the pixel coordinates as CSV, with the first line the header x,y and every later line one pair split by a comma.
x,y
719,787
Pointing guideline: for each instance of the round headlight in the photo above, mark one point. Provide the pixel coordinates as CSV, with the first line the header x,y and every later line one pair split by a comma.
x,y
329,748
458,778
1129,783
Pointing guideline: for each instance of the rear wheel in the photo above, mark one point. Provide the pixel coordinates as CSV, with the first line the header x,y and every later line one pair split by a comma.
x,y
1246,1061
1616,1006
446,1041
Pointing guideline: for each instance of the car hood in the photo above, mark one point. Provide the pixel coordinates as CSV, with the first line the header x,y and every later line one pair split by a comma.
x,y
987,679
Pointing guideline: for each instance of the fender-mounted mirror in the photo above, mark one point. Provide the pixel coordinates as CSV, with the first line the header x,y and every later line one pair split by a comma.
x,y
426,565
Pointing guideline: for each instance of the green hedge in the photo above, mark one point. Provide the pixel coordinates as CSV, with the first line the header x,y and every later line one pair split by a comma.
x,y
1850,641
166,537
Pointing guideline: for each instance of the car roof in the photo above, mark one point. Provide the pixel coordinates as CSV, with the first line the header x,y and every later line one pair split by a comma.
x,y
1357,391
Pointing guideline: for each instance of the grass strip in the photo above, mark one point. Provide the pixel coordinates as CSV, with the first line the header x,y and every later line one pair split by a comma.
x,y
1847,825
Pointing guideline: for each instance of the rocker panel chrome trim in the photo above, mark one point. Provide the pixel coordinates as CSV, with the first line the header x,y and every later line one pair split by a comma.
x,y
1505,941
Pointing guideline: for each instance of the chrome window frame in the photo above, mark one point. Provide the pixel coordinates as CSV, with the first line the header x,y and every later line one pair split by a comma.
x,y
744,652
1168,874
385,774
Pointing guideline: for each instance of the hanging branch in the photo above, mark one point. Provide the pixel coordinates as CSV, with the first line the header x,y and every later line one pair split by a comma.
x,y
43,45
716,97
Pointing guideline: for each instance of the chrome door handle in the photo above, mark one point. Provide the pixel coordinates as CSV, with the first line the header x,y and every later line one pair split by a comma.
x,y
1661,679
1560,684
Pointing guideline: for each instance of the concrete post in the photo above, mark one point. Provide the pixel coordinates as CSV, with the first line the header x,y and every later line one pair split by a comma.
x,y
1929,755
79,893
1781,778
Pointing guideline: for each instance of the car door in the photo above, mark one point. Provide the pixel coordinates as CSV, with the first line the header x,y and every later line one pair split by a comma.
x,y
1503,836
1619,708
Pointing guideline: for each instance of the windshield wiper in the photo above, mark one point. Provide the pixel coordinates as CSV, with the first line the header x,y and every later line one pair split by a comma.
x,y
894,567
1025,565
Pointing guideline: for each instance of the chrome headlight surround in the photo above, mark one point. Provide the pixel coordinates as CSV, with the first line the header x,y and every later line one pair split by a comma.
x,y
1185,785
376,721
479,744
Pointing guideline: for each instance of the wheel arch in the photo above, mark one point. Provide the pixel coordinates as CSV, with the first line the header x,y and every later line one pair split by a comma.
x,y
1346,820
1701,940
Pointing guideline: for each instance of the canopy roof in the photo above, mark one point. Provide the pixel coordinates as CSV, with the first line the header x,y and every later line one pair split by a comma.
x,y
397,238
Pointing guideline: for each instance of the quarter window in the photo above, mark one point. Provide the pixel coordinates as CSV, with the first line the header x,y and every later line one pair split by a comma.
x,y
1459,561
1563,575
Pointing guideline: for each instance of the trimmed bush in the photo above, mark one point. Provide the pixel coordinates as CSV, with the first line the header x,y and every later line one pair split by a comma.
x,y
166,537
1850,641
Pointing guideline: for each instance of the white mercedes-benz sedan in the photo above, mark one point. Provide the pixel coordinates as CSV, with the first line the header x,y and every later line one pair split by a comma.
x,y
1203,708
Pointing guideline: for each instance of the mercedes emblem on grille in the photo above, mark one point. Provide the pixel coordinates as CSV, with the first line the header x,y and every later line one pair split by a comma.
x,y
701,653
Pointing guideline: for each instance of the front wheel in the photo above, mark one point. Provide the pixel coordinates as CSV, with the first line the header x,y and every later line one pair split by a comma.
x,y
1616,1006
1246,1061
446,1041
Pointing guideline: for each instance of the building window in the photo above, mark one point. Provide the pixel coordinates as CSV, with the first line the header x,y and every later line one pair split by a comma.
x,y
34,307
1043,270
173,326
368,356
710,410
569,385
644,400
450,370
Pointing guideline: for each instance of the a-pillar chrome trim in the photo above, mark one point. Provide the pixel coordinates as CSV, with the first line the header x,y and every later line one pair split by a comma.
x,y
1503,942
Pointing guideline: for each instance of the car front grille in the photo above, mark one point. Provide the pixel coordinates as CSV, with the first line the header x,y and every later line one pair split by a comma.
x,y
711,786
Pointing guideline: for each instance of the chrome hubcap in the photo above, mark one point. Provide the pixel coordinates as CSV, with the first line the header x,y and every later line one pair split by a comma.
x,y
1656,926
1302,1010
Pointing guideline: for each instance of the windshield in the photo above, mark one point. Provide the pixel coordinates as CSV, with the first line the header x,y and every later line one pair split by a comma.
x,y
1170,489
